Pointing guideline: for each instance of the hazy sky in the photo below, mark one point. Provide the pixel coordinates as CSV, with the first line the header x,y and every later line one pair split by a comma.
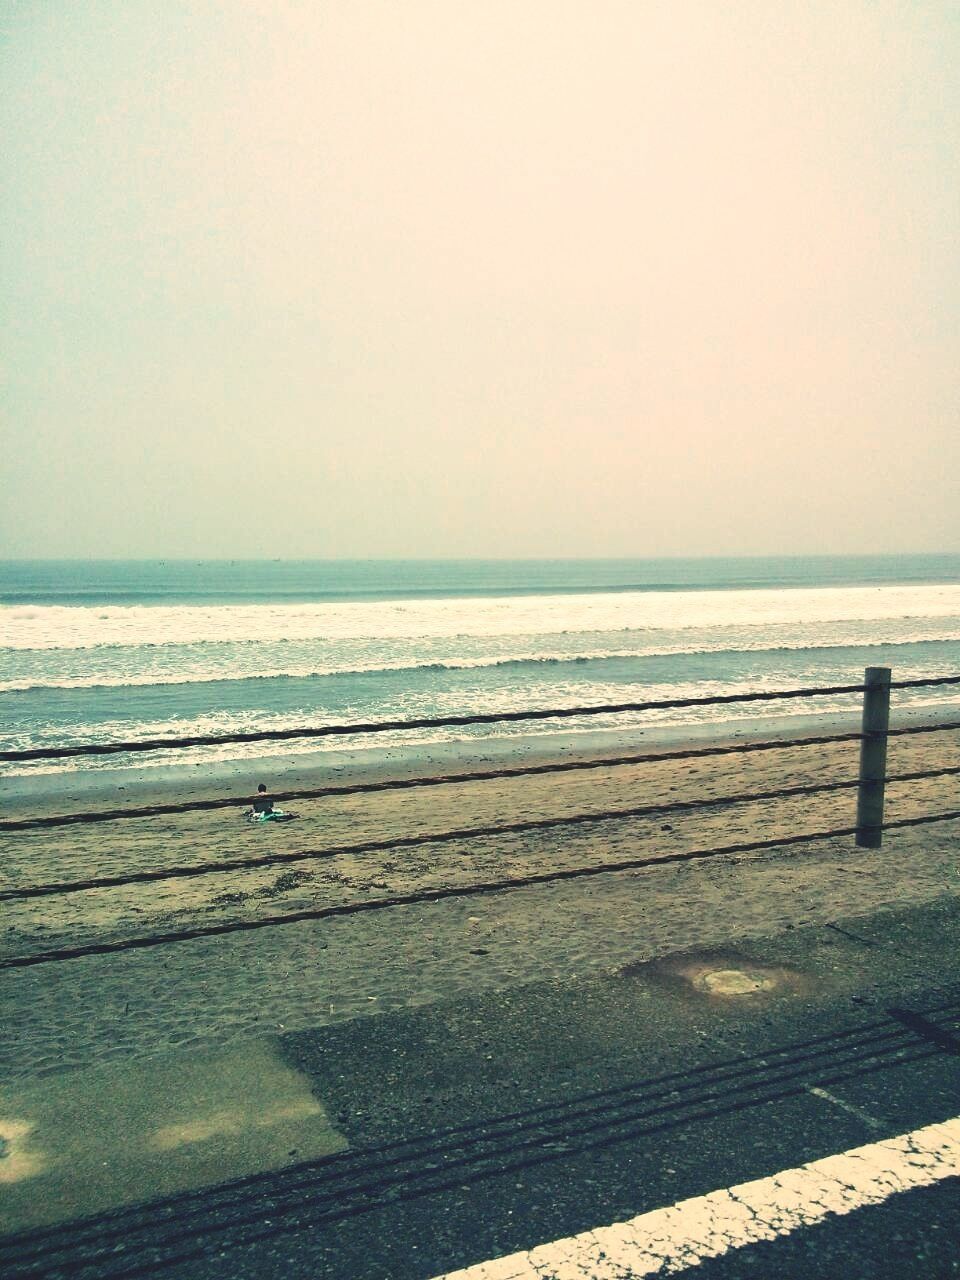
x,y
479,277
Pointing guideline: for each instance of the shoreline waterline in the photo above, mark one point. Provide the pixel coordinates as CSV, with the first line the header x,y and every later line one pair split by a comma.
x,y
287,770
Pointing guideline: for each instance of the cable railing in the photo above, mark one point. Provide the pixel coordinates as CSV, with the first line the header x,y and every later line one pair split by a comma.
x,y
444,837
93,816
423,722
445,891
442,722
870,785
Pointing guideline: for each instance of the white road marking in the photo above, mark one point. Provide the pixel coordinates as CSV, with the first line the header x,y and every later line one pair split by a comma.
x,y
870,1121
668,1240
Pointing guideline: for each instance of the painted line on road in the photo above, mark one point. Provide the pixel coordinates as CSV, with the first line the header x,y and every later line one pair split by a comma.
x,y
683,1234
863,1116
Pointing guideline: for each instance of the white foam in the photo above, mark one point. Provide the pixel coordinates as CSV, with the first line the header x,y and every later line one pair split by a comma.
x,y
81,627
136,669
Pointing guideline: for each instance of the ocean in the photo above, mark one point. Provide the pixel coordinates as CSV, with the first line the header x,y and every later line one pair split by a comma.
x,y
93,651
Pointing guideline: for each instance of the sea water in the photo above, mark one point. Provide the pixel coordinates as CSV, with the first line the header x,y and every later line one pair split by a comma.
x,y
94,651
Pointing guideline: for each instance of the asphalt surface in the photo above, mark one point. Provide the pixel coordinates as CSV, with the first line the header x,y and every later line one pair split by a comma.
x,y
481,1126
913,1234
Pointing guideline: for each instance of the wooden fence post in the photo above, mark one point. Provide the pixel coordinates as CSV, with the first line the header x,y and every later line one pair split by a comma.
x,y
873,757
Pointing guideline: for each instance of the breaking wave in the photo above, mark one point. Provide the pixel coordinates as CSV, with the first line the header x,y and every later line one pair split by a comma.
x,y
144,680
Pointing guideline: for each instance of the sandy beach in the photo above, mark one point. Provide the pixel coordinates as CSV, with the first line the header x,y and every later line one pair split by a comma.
x,y
212,991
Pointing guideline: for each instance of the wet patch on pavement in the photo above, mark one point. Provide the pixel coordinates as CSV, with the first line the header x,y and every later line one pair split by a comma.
x,y
721,976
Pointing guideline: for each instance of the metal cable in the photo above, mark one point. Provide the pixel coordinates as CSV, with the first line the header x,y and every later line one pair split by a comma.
x,y
439,894
383,726
945,726
59,888
921,684
400,842
322,731
398,784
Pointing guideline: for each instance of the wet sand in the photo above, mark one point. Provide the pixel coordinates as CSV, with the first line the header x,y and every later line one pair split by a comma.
x,y
214,991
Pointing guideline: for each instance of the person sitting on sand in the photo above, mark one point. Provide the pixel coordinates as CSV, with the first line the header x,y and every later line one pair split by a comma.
x,y
263,810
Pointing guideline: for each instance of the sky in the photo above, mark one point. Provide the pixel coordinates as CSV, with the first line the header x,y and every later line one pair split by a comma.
x,y
479,277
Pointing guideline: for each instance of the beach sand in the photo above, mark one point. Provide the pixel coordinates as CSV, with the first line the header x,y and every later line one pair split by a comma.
x,y
212,992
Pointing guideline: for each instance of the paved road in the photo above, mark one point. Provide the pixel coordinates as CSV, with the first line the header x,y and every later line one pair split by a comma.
x,y
483,1126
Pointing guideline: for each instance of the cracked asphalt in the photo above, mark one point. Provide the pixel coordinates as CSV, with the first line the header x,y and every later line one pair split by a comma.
x,y
678,1237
